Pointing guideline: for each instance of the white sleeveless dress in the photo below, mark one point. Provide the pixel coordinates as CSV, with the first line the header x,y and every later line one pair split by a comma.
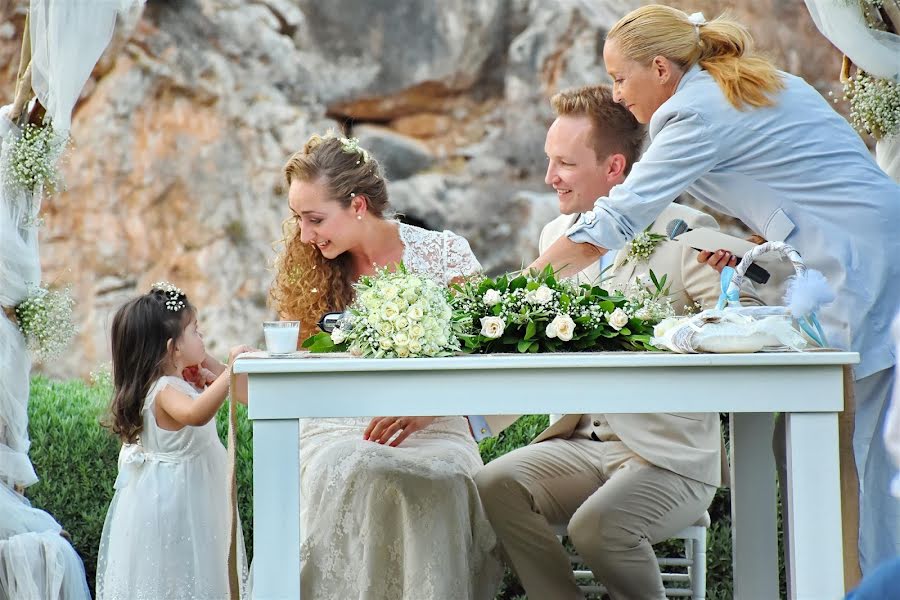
x,y
166,531
402,523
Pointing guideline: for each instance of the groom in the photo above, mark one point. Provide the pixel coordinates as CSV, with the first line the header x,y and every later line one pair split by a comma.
x,y
621,481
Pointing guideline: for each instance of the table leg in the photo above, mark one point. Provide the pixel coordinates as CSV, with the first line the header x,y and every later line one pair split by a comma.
x,y
753,507
814,495
276,509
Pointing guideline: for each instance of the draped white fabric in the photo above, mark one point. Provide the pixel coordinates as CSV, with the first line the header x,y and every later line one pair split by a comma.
x,y
887,153
842,22
67,38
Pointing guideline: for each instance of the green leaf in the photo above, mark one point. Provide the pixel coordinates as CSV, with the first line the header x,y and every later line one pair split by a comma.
x,y
519,282
321,342
530,330
524,345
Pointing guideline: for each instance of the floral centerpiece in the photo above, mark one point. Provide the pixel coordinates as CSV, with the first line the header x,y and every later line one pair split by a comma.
x,y
538,312
396,314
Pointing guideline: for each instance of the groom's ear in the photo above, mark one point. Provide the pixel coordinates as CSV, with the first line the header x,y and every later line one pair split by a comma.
x,y
616,166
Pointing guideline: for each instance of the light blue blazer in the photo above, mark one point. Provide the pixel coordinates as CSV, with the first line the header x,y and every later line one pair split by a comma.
x,y
796,172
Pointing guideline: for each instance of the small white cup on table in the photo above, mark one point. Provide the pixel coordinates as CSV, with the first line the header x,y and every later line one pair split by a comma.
x,y
281,336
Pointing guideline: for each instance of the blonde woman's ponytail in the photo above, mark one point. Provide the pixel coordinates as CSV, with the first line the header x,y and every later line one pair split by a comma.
x,y
723,47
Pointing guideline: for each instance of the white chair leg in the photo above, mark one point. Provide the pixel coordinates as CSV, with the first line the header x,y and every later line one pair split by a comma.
x,y
698,574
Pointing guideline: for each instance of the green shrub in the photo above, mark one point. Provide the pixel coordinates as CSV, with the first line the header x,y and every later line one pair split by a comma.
x,y
76,461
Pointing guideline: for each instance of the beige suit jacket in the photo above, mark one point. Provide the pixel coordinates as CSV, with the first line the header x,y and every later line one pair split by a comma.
x,y
689,444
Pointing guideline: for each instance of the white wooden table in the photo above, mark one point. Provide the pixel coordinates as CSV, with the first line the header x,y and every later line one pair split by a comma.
x,y
806,386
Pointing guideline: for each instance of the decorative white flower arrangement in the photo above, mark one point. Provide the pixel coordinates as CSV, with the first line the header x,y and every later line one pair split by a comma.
x,y
396,314
537,312
644,244
29,158
45,319
874,105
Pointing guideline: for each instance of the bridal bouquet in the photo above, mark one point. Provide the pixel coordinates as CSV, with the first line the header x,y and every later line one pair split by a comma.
x,y
396,314
536,312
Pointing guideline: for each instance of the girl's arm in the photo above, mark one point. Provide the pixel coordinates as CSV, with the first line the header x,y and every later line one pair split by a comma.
x,y
185,410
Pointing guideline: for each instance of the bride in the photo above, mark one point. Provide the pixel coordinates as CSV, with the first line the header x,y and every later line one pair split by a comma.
x,y
390,510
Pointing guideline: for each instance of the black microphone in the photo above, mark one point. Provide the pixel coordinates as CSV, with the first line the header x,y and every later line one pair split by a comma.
x,y
754,272
329,321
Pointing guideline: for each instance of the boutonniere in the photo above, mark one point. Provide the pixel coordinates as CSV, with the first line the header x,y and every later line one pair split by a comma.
x,y
644,245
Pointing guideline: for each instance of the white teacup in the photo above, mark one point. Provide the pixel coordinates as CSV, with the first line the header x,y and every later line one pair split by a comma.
x,y
281,336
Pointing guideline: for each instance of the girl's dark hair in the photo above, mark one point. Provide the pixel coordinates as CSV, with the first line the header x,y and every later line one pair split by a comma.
x,y
140,331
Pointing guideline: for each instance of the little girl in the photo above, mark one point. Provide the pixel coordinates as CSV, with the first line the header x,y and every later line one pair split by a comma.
x,y
166,531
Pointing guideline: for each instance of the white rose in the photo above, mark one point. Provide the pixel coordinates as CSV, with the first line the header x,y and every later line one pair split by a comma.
x,y
410,295
415,312
551,329
542,295
617,319
492,327
414,347
369,300
401,338
401,322
491,297
389,311
385,328
402,351
390,292
565,327
416,332
666,325
338,336
429,323
385,343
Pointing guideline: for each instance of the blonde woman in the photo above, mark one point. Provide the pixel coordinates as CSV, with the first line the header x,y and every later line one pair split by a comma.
x,y
390,510
765,147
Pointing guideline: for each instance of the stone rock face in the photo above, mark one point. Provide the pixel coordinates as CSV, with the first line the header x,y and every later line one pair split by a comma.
x,y
182,131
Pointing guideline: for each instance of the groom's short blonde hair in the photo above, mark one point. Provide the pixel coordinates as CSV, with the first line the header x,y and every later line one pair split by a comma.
x,y
614,128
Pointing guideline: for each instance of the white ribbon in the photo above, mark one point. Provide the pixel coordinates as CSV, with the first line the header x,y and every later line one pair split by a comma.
x,y
697,19
133,456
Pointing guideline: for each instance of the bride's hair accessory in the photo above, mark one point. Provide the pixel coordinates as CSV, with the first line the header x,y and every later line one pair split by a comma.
x,y
350,146
174,296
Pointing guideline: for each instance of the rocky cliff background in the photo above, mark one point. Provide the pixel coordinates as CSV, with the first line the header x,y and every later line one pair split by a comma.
x,y
182,130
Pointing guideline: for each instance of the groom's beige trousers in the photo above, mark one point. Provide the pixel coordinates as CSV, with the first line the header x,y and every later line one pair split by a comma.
x,y
617,505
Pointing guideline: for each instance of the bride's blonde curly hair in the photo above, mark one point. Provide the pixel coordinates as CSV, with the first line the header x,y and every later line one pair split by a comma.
x,y
307,285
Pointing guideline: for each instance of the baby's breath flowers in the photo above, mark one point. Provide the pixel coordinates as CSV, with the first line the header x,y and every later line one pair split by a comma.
x,y
644,245
30,158
874,105
45,319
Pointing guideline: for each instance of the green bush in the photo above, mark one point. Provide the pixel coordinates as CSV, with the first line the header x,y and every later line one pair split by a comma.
x,y
76,461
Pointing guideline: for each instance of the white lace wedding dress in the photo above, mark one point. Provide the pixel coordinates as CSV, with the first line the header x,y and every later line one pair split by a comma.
x,y
401,523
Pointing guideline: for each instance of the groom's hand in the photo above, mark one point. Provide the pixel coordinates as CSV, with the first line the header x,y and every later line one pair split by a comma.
x,y
382,429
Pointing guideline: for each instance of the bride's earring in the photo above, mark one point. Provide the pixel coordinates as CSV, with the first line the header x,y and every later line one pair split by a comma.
x,y
359,217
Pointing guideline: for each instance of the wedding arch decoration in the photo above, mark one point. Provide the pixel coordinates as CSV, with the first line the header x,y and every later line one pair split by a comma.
x,y
868,33
61,44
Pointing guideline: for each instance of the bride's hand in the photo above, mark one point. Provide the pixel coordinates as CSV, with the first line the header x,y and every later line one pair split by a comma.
x,y
382,429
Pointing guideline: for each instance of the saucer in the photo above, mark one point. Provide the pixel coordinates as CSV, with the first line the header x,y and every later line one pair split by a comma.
x,y
294,354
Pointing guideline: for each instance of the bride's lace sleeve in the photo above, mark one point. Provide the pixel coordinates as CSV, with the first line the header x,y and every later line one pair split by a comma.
x,y
459,261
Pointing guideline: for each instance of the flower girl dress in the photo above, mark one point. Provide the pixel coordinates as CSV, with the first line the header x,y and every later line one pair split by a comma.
x,y
166,531
397,523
